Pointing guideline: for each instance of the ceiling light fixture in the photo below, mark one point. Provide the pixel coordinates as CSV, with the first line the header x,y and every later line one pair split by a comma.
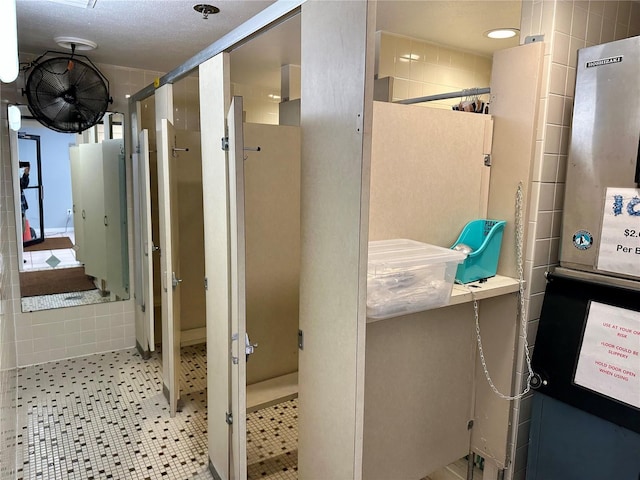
x,y
80,44
206,10
8,41
14,117
501,33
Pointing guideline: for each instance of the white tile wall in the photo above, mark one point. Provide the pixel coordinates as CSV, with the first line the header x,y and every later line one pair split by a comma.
x,y
421,68
567,25
8,358
68,332
260,103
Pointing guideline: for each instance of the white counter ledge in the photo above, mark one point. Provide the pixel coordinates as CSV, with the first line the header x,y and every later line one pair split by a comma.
x,y
492,287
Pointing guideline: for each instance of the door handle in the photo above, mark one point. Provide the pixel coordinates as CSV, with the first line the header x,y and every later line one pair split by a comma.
x,y
175,150
175,281
249,347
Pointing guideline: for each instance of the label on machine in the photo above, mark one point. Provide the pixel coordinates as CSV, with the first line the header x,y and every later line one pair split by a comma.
x,y
609,359
619,250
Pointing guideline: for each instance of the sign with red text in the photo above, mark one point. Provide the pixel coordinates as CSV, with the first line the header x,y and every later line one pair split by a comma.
x,y
619,250
609,361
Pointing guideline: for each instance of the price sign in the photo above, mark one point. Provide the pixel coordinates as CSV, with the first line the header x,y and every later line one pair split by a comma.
x,y
620,238
609,361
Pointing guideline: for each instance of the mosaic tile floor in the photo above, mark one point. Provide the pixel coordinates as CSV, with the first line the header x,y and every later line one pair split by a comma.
x,y
104,417
272,442
61,300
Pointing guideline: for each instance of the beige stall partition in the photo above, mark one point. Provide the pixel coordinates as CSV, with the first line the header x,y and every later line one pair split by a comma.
x,y
418,392
515,88
190,217
428,176
272,216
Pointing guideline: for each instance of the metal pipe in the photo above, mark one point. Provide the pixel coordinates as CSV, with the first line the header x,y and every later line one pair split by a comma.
x,y
443,96
271,16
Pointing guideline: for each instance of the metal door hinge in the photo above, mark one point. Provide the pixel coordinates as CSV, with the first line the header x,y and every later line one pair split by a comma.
x,y
359,123
487,160
228,418
206,283
300,339
534,39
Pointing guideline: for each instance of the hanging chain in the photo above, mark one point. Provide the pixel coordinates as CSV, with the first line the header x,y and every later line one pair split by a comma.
x,y
521,307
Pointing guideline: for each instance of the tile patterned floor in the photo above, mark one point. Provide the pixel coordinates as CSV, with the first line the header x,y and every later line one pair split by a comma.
x,y
61,300
104,417
272,442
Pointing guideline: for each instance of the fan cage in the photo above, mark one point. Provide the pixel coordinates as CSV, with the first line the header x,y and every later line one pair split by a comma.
x,y
65,97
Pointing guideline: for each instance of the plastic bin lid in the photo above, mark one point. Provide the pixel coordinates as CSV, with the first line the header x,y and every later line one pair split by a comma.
x,y
403,253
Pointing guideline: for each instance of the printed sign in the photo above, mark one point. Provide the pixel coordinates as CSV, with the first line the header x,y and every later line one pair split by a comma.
x,y
620,237
609,361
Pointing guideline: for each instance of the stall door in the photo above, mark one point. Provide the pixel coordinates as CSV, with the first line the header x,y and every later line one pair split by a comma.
x,y
115,217
170,264
239,339
76,193
95,238
144,184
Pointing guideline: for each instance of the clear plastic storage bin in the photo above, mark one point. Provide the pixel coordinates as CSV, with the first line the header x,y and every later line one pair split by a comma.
x,y
405,276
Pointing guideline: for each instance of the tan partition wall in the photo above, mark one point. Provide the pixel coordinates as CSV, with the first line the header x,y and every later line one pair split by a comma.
x,y
272,217
190,217
418,392
515,84
428,177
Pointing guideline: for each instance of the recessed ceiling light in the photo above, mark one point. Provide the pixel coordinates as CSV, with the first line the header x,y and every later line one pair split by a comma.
x,y
206,9
500,33
80,43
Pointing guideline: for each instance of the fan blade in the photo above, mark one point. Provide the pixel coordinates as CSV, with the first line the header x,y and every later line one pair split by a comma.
x,y
53,84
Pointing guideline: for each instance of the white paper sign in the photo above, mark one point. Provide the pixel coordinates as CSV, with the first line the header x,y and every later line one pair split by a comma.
x,y
620,237
609,361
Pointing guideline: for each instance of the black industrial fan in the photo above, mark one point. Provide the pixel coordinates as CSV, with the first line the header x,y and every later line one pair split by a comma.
x,y
67,95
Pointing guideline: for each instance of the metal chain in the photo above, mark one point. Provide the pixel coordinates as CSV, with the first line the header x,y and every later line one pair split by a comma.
x,y
522,312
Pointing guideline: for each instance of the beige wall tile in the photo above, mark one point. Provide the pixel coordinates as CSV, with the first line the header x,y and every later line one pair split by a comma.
x,y
561,43
543,225
558,79
563,16
555,110
541,252
594,28
553,135
579,21
611,10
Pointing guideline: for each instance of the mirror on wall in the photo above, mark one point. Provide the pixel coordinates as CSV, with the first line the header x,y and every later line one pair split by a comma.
x,y
71,214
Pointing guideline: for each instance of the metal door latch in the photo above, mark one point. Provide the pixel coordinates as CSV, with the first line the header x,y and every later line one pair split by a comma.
x,y
249,347
175,281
